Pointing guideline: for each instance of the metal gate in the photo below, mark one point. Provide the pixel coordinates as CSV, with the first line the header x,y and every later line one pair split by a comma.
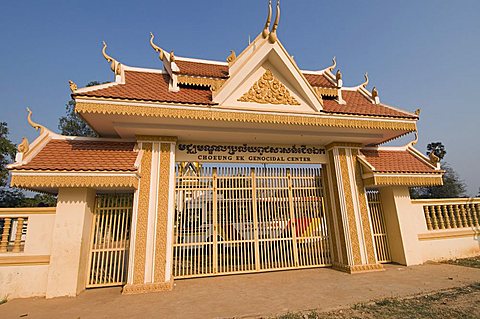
x,y
241,219
378,225
110,240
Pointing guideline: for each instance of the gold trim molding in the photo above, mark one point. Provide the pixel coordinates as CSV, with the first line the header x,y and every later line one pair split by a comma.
x,y
421,180
24,260
153,138
269,90
447,234
218,115
343,145
358,268
326,91
146,288
32,181
200,81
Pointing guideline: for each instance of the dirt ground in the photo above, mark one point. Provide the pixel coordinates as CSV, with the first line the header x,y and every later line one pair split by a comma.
x,y
461,303
269,295
473,262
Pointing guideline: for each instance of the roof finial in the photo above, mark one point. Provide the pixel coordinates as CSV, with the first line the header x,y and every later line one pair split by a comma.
x,y
375,96
334,65
417,112
36,126
273,35
158,49
172,56
232,57
266,30
115,65
364,84
24,146
73,86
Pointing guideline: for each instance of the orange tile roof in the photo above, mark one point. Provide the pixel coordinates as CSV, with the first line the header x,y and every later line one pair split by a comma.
x,y
396,162
202,69
83,155
357,104
319,80
147,86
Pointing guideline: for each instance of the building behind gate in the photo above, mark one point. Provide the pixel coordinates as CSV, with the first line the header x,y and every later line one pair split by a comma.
x,y
206,168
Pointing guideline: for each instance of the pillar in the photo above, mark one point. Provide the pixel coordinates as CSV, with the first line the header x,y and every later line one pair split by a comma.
x,y
151,246
352,239
404,221
70,242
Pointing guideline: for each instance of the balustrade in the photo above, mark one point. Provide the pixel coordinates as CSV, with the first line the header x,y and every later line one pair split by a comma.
x,y
451,213
12,234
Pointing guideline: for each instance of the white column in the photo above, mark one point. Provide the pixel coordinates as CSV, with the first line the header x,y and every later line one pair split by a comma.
x,y
70,242
403,221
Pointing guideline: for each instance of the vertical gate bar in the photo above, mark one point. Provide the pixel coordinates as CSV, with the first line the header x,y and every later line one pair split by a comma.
x,y
292,218
255,219
215,220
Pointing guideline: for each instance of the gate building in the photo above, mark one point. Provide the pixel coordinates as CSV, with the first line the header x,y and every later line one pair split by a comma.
x,y
205,168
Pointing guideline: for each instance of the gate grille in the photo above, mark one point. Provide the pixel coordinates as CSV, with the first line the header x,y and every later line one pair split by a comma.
x,y
238,219
110,240
378,225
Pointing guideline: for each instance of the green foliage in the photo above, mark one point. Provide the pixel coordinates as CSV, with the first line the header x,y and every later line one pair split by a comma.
x,y
71,124
453,186
7,153
11,198
437,148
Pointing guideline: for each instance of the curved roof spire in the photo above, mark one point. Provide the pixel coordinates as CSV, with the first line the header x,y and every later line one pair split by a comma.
x,y
273,34
115,65
334,64
365,83
266,30
161,53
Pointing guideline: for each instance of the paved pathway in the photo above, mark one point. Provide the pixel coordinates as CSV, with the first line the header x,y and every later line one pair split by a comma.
x,y
246,296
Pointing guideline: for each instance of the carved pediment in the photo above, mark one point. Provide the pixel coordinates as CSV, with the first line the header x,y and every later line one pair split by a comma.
x,y
269,90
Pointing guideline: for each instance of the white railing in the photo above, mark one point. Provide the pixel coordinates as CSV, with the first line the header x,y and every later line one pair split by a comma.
x,y
451,213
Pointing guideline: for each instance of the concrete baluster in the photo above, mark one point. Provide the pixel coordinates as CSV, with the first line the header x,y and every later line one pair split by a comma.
x,y
18,235
7,222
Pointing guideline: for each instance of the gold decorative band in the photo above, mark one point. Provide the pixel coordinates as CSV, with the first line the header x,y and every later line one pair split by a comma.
x,y
326,91
201,81
35,181
153,138
343,145
145,288
218,115
355,269
421,180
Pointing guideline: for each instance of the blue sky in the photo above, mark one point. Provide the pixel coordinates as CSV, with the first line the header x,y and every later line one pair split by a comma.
x,y
418,53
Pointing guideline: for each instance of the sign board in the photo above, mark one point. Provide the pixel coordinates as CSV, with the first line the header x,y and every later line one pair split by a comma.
x,y
250,153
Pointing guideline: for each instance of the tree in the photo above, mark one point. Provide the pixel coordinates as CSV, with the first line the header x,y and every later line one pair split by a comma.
x,y
7,153
71,124
453,186
437,148
10,197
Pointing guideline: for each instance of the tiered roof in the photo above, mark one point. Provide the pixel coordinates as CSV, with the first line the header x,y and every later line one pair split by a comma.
x,y
84,155
153,86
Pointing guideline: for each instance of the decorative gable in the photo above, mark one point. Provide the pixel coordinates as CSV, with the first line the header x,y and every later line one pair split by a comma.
x,y
269,90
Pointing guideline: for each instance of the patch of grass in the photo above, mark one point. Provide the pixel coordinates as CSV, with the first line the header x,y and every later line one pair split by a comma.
x,y
473,262
462,302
